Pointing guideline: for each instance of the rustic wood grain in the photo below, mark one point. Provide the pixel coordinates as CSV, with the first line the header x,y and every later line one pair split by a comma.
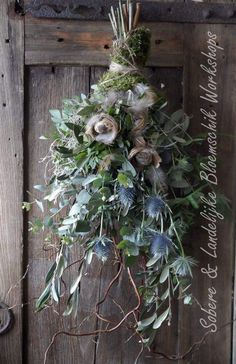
x,y
11,175
88,43
216,348
122,292
46,88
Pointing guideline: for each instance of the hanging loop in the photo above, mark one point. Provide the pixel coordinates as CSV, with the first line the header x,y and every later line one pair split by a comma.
x,y
6,318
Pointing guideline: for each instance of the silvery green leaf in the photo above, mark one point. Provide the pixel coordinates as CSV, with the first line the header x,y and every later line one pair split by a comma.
x,y
54,292
72,304
40,205
55,113
54,210
164,274
83,197
127,166
69,221
178,139
50,273
63,229
188,300
75,284
40,188
90,179
61,265
152,261
165,295
53,195
89,256
43,298
160,319
146,322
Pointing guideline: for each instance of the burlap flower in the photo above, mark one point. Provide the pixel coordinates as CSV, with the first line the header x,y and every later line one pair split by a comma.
x,y
145,156
102,128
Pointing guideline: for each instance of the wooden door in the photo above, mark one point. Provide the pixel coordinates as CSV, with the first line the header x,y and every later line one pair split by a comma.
x,y
43,61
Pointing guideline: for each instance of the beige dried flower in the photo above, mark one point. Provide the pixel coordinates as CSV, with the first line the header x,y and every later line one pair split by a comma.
x,y
145,156
102,128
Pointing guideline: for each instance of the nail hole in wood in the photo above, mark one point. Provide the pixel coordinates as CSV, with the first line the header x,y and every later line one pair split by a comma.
x,y
106,46
7,40
60,40
9,139
2,75
53,69
158,41
15,155
169,10
4,104
58,27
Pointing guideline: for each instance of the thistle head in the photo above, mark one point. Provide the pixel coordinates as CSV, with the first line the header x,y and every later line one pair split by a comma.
x,y
183,266
154,205
103,248
126,196
160,245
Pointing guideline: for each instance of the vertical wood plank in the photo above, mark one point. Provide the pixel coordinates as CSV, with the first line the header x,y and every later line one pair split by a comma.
x,y
11,174
216,348
47,87
122,292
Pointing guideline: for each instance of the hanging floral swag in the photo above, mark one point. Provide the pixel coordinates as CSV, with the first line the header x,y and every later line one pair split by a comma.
x,y
124,185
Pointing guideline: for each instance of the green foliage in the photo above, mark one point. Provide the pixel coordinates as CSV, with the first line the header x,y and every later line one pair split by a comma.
x,y
119,82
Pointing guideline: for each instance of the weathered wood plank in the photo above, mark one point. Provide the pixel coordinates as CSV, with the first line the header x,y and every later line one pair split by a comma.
x,y
46,88
88,43
216,347
122,292
11,175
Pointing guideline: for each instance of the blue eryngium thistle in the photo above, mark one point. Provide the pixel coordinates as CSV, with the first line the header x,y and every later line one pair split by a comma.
x,y
183,266
102,248
154,205
126,196
160,245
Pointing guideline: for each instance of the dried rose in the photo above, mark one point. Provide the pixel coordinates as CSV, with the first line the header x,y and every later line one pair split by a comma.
x,y
145,156
102,128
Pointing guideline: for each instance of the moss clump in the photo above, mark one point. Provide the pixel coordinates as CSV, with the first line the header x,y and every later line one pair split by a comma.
x,y
135,50
118,81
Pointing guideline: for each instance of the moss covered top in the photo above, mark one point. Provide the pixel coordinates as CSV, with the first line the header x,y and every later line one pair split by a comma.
x,y
135,49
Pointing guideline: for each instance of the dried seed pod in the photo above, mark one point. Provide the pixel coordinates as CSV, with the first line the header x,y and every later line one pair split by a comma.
x,y
102,128
145,156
